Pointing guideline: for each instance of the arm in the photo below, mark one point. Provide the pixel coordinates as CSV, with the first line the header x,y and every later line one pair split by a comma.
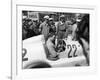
x,y
57,28
40,28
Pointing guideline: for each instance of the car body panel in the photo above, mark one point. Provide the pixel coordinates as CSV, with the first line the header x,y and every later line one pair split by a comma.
x,y
35,51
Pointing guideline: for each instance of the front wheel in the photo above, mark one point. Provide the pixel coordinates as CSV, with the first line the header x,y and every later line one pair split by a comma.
x,y
38,64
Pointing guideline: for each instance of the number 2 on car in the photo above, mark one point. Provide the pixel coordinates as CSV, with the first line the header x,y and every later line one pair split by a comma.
x,y
24,52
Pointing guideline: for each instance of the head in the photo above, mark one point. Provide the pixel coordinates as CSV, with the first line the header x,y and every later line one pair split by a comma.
x,y
29,21
34,22
78,17
51,20
62,18
52,38
46,18
73,20
69,23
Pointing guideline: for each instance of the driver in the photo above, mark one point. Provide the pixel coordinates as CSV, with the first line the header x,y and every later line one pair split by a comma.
x,y
51,48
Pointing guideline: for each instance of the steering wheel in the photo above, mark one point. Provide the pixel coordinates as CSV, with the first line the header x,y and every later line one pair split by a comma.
x,y
61,46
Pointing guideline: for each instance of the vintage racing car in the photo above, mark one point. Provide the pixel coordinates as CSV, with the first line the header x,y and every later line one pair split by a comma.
x,y
34,54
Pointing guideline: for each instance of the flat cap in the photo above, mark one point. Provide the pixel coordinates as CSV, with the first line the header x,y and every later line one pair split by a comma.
x,y
46,17
62,16
50,19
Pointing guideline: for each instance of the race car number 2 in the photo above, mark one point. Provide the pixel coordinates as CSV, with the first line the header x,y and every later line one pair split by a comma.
x,y
24,52
72,49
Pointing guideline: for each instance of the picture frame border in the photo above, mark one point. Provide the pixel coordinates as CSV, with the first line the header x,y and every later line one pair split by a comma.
x,y
13,75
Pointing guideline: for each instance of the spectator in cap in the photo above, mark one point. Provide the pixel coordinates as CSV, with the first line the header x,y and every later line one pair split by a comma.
x,y
44,27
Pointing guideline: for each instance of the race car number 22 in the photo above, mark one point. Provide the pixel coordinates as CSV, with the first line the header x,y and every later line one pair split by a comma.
x,y
72,49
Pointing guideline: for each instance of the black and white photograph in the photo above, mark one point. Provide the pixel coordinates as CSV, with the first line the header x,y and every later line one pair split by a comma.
x,y
55,39
50,40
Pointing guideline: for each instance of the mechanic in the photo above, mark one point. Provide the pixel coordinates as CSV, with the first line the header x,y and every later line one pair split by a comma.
x,y
44,28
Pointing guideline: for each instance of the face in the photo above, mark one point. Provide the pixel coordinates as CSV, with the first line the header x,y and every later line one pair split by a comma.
x,y
30,22
69,25
34,22
52,38
51,21
23,21
46,20
78,20
62,19
78,17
